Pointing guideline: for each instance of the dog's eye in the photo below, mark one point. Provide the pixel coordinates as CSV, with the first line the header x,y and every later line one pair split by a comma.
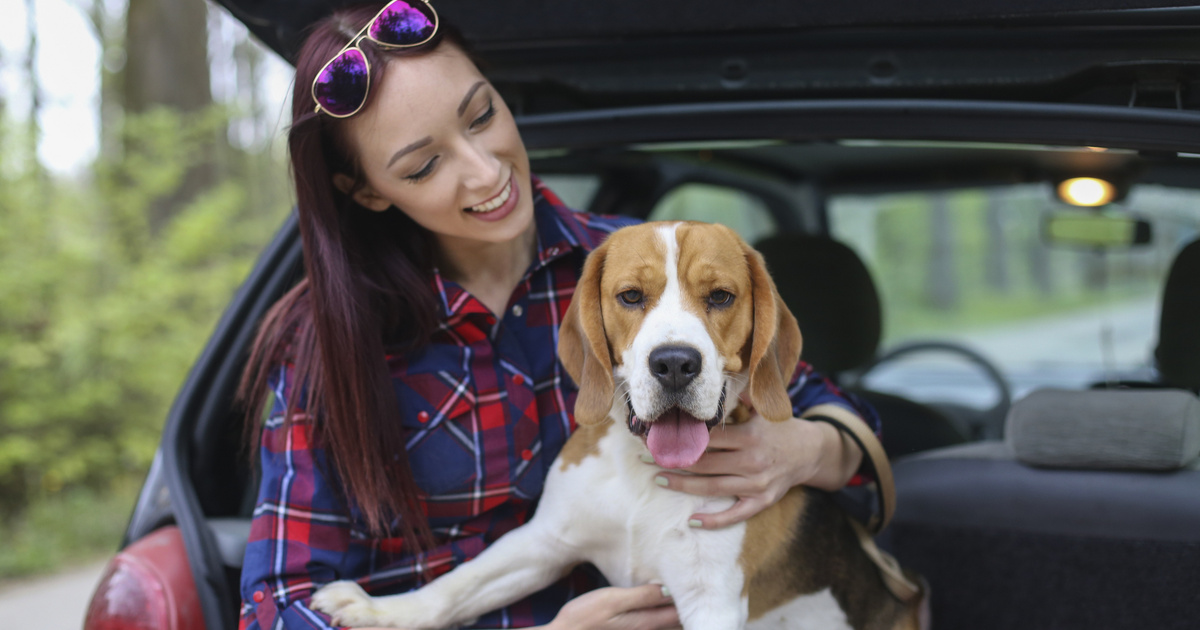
x,y
630,297
720,298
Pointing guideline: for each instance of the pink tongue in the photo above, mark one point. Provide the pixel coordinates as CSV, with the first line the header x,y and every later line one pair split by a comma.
x,y
677,440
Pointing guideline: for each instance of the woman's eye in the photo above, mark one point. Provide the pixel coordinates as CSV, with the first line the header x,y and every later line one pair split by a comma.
x,y
485,117
720,298
424,172
631,297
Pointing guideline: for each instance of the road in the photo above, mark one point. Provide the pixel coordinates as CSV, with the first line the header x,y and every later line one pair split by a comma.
x,y
56,602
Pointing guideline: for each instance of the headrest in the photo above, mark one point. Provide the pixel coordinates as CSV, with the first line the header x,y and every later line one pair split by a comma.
x,y
832,295
1178,352
1106,429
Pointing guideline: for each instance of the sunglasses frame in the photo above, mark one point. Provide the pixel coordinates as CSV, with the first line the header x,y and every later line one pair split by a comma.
x,y
362,34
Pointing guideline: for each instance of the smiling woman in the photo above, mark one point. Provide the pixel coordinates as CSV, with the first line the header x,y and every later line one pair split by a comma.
x,y
416,401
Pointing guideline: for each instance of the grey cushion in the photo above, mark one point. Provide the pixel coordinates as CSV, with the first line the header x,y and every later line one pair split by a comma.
x,y
231,535
1106,430
980,490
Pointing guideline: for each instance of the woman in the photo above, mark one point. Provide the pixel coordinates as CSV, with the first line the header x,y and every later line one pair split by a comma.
x,y
416,398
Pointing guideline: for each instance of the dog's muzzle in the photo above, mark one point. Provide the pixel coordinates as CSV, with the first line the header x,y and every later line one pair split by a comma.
x,y
640,428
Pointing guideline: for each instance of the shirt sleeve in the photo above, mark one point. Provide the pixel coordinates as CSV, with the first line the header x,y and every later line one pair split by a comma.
x,y
808,388
301,534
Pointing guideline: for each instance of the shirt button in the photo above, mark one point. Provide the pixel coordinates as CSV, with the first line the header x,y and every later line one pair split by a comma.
x,y
518,380
258,597
423,416
526,454
517,310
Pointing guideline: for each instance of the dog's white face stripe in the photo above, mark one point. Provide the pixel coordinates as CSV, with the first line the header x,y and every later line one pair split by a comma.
x,y
670,322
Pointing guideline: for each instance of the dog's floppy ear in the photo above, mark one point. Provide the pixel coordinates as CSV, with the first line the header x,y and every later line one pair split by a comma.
x,y
775,349
583,346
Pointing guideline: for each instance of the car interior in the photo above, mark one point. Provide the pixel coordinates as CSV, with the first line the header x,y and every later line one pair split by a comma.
x,y
1005,534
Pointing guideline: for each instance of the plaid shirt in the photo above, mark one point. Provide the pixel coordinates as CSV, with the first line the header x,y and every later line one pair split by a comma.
x,y
486,408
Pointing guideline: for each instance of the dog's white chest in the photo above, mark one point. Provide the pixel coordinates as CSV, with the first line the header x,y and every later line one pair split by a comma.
x,y
636,531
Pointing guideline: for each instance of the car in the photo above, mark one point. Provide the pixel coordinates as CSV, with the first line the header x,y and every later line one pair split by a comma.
x,y
907,170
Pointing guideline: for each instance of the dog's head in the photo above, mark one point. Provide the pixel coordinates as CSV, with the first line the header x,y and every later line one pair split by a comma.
x,y
679,319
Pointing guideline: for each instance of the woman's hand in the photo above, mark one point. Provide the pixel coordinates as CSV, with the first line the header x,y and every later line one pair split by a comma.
x,y
758,461
612,608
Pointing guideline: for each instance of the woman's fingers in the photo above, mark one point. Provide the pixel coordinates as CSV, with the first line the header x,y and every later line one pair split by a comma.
x,y
638,608
733,436
644,596
658,618
742,510
717,462
717,486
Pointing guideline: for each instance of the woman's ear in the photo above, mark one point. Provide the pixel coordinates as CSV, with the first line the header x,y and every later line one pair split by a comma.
x,y
775,350
364,195
583,346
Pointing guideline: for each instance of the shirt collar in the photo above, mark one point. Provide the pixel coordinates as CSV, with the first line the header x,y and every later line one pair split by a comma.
x,y
559,233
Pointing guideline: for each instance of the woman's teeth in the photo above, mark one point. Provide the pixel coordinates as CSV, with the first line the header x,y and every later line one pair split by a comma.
x,y
496,202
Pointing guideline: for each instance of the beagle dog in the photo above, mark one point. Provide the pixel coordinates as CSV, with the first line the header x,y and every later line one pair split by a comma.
x,y
670,322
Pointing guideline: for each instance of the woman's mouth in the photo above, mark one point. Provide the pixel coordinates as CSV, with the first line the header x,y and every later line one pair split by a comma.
x,y
495,203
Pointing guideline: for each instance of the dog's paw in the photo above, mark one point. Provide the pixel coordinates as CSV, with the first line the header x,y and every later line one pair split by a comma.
x,y
348,604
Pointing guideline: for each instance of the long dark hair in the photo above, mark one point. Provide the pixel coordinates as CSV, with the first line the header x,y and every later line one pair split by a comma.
x,y
367,284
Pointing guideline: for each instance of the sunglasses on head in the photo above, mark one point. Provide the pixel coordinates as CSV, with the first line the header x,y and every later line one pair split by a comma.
x,y
340,88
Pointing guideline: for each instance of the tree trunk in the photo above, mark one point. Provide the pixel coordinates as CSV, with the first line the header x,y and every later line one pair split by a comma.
x,y
167,55
166,45
996,263
34,130
107,31
941,286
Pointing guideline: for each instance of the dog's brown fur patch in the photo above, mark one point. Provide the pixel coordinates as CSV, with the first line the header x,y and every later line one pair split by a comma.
x,y
765,559
584,442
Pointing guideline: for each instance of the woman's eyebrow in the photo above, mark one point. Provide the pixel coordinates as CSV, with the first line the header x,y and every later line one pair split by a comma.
x,y
462,107
412,147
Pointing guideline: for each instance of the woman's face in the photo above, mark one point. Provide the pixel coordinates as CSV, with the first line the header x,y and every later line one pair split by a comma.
x,y
438,143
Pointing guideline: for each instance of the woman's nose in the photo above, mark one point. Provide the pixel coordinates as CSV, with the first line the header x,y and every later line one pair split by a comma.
x,y
482,166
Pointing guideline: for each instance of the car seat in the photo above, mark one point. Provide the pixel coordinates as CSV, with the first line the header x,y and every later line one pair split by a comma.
x,y
831,293
1086,516
1178,352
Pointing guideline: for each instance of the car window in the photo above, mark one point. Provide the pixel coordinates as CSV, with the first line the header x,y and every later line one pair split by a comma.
x,y
576,190
973,266
743,212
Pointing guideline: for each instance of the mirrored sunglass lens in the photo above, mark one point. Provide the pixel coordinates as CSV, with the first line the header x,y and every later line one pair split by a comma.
x,y
402,23
342,85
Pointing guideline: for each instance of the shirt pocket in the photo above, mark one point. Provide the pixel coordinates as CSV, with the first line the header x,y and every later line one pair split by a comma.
x,y
440,438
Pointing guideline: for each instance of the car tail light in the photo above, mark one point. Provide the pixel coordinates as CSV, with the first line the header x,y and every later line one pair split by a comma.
x,y
148,585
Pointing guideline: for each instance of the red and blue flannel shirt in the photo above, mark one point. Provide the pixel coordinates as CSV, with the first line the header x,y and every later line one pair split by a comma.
x,y
486,407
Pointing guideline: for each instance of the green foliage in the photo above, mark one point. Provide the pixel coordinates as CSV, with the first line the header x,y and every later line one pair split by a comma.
x,y
102,311
68,527
895,234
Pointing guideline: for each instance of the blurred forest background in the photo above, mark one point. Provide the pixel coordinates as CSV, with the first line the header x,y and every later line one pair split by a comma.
x,y
115,274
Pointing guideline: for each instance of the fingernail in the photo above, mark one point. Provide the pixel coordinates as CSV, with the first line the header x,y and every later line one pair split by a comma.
x,y
648,458
666,592
695,522
662,481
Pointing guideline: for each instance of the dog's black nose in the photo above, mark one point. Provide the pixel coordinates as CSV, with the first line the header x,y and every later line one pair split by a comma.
x,y
675,366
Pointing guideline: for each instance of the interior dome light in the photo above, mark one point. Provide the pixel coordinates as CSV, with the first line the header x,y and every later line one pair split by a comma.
x,y
1086,191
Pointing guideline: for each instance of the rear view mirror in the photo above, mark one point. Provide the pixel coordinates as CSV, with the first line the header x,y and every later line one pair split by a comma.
x,y
1095,230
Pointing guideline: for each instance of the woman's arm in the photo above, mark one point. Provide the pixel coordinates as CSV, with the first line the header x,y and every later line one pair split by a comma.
x,y
300,536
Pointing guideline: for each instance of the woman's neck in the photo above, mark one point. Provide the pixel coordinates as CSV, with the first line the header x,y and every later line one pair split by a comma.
x,y
488,271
